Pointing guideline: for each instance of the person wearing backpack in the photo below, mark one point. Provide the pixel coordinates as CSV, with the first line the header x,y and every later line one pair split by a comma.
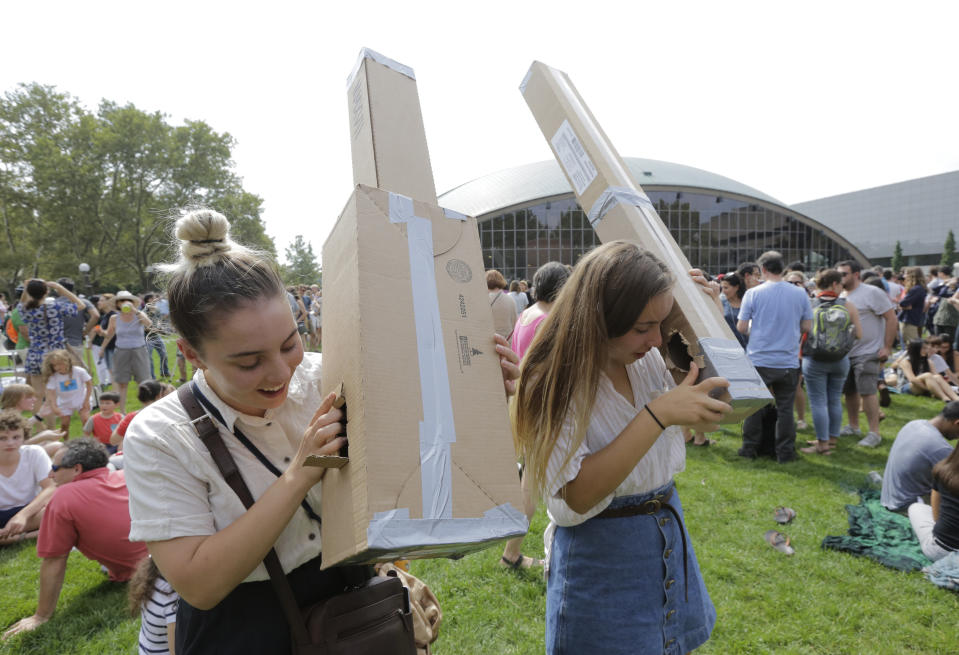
x,y
825,362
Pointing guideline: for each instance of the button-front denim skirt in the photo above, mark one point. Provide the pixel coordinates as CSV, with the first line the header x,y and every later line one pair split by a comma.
x,y
616,585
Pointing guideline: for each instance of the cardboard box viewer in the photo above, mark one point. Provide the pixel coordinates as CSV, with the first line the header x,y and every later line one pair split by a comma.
x,y
408,332
618,209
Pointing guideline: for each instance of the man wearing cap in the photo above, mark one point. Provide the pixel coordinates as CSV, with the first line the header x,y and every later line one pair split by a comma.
x,y
89,511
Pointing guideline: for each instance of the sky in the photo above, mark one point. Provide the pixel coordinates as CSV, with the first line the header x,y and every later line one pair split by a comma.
x,y
800,100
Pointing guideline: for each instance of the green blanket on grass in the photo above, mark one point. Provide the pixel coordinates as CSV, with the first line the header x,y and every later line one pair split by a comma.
x,y
879,534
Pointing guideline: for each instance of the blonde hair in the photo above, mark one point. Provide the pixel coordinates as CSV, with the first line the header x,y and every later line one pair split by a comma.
x,y
14,393
914,277
213,273
50,361
607,291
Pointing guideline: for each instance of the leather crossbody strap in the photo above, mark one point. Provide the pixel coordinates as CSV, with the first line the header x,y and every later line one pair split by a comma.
x,y
211,438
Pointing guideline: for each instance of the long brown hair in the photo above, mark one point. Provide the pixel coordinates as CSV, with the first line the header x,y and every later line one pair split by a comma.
x,y
603,298
141,585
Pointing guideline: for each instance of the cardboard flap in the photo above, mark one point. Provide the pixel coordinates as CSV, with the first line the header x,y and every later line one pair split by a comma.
x,y
447,226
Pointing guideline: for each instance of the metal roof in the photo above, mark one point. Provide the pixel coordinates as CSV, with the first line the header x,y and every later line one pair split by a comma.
x,y
544,179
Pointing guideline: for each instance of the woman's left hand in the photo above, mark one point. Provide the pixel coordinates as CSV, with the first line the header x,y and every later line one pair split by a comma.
x,y
509,362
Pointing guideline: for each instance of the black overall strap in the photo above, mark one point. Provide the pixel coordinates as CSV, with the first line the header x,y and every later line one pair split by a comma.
x,y
211,438
249,445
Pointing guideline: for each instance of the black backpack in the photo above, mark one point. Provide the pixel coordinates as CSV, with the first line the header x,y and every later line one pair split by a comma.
x,y
833,333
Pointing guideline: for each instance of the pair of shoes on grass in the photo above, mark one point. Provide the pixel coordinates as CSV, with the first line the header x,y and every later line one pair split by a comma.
x,y
776,539
871,440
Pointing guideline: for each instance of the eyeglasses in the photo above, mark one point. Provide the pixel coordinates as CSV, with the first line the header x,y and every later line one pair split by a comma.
x,y
56,467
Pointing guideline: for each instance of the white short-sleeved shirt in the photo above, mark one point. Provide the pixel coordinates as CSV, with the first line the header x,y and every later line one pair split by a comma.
x,y
24,485
176,490
937,363
71,387
611,414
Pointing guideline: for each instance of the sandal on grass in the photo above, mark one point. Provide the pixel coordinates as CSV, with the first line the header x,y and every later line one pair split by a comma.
x,y
521,562
784,514
816,450
779,541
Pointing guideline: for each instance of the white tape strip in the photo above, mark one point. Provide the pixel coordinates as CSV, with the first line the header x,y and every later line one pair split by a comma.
x,y
395,530
613,196
437,430
366,53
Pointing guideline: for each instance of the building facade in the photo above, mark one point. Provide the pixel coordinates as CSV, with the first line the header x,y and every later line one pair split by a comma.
x,y
917,213
528,216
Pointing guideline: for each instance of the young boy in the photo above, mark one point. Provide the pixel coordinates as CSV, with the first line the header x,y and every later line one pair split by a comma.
x,y
101,424
25,485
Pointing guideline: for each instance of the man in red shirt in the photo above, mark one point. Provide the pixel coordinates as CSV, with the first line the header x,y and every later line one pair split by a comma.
x,y
89,511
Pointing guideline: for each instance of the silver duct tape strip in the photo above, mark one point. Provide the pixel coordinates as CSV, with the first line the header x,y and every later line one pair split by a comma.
x,y
395,530
522,85
366,53
454,215
437,429
613,196
725,358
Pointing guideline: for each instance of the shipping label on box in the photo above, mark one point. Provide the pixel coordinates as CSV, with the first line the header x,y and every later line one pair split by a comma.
x,y
409,334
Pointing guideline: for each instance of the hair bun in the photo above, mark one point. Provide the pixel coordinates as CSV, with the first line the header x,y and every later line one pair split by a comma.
x,y
204,236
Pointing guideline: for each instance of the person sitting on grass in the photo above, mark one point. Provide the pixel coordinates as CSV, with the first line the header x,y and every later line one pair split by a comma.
x,y
917,448
68,387
88,511
101,424
22,399
155,602
25,484
922,380
937,524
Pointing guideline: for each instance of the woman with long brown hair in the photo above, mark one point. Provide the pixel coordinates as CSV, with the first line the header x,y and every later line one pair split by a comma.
x,y
597,418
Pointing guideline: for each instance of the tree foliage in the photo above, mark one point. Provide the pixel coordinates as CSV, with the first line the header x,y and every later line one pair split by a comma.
x,y
896,263
301,266
103,187
948,250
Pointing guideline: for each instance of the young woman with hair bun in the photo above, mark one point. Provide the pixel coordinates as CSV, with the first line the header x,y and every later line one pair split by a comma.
x,y
596,417
229,307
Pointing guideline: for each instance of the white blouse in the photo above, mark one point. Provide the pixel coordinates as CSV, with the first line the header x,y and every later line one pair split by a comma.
x,y
649,379
176,490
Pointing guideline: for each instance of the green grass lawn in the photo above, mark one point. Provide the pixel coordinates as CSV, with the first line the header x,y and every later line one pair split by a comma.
x,y
816,601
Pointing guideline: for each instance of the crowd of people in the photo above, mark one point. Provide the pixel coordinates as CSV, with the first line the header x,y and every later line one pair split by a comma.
x,y
600,425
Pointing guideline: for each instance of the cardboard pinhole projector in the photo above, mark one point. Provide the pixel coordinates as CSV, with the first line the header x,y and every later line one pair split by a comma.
x,y
409,335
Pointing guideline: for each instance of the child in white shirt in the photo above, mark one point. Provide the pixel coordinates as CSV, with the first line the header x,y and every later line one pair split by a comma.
x,y
68,388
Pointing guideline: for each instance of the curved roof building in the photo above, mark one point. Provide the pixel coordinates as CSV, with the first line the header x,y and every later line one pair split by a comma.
x,y
528,216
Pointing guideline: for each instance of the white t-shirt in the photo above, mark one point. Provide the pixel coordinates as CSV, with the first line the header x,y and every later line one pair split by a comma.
x,y
937,363
24,485
70,387
176,490
611,414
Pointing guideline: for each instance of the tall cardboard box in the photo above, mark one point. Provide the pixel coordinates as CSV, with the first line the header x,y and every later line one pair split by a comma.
x,y
408,332
617,208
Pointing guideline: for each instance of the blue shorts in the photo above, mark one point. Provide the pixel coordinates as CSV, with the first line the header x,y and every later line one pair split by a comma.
x,y
7,514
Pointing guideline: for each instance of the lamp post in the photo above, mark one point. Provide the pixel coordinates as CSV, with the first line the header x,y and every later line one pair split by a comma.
x,y
85,270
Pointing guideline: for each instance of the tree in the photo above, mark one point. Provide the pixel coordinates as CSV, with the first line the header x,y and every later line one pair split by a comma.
x,y
948,250
301,266
896,263
103,188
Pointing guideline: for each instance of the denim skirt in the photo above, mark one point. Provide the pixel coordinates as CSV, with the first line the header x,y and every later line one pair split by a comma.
x,y
616,585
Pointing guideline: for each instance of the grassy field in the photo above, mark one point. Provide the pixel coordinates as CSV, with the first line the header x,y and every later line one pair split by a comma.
x,y
817,601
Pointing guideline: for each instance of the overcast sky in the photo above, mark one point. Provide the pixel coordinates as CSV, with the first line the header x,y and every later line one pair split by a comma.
x,y
800,100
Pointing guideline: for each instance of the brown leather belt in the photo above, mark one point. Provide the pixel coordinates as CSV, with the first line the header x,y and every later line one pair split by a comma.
x,y
649,507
